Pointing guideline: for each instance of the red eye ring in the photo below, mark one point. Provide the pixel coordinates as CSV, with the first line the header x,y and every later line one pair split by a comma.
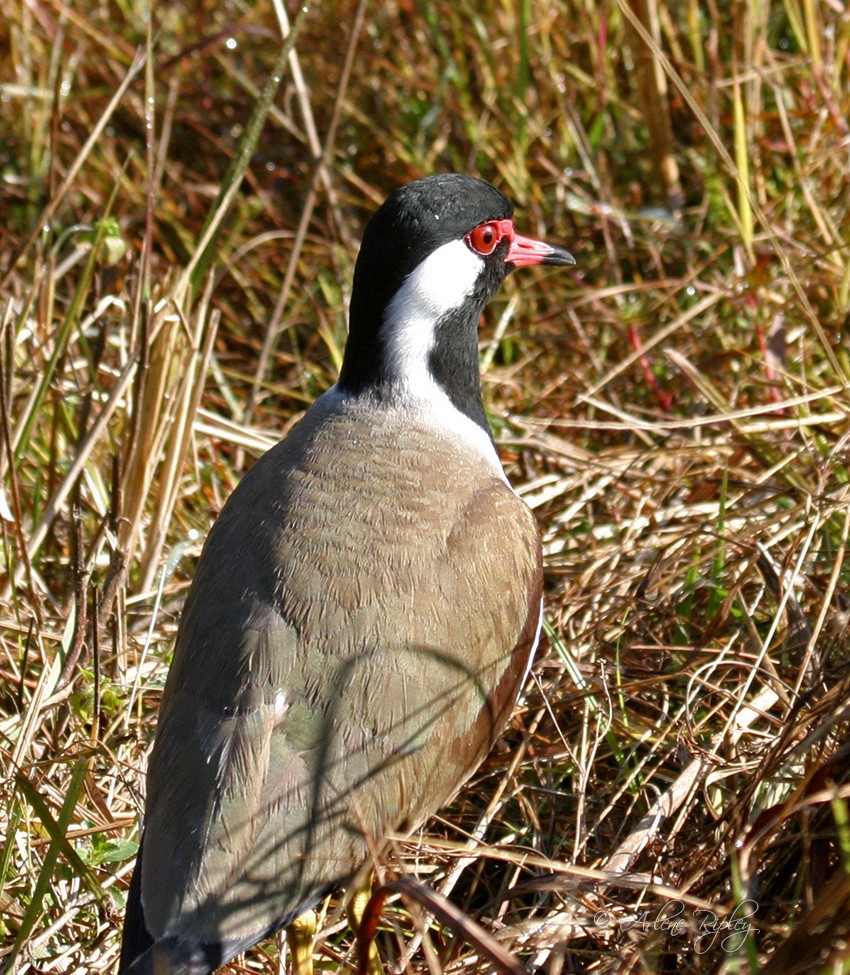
x,y
486,237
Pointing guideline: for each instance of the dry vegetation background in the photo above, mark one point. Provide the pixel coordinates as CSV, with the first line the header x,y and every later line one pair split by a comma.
x,y
177,236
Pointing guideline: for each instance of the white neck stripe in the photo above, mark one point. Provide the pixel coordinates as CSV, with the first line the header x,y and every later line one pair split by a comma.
x,y
436,286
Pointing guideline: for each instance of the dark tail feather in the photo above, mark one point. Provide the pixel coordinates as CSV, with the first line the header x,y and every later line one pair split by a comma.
x,y
172,957
136,939
141,955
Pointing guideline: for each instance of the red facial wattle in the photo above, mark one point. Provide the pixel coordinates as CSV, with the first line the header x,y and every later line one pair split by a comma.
x,y
522,251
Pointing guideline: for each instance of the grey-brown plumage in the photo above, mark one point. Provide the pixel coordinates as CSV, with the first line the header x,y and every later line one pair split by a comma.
x,y
357,632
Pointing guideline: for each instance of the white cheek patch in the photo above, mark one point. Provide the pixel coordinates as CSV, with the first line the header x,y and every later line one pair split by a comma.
x,y
442,282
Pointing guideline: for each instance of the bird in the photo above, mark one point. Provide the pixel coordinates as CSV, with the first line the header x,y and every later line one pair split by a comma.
x,y
363,613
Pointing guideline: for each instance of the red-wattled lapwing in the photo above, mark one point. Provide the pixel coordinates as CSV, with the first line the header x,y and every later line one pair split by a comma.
x,y
363,613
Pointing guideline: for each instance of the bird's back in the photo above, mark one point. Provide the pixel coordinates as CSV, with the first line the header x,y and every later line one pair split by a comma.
x,y
358,628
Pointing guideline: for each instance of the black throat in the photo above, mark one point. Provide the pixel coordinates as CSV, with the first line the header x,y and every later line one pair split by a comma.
x,y
453,362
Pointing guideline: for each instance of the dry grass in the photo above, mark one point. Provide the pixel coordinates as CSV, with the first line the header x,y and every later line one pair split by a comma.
x,y
677,416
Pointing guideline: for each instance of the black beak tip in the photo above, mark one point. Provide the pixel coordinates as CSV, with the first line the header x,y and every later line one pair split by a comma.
x,y
559,257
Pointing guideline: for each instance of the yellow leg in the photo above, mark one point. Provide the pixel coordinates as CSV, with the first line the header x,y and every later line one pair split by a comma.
x,y
354,909
300,937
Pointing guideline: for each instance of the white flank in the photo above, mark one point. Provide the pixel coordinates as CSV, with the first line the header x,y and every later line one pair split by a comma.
x,y
534,645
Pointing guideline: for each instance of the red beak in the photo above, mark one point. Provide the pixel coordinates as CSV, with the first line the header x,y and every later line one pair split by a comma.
x,y
526,250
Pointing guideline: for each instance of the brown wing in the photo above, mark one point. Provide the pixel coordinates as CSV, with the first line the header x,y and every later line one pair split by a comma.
x,y
353,642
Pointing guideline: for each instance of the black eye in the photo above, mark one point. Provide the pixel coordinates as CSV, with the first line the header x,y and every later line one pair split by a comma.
x,y
485,238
